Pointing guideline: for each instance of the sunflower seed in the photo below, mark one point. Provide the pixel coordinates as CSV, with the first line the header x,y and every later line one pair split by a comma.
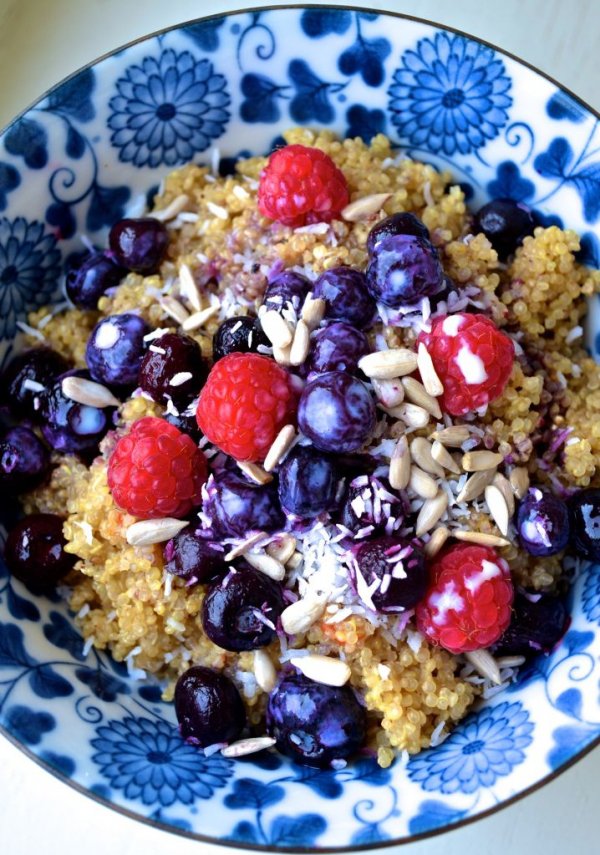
x,y
388,364
323,669
245,545
300,344
276,329
519,481
399,474
438,538
498,508
389,392
431,381
441,454
268,565
479,461
240,192
300,616
503,484
453,436
175,207
510,661
188,287
432,511
411,414
362,209
218,210
281,355
148,532
264,670
248,746
295,561
417,393
282,547
475,486
88,392
421,453
485,664
255,472
313,311
480,537
174,309
422,483
281,444
198,319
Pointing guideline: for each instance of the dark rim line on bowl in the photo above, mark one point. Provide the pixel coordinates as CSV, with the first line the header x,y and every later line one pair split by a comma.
x,y
163,826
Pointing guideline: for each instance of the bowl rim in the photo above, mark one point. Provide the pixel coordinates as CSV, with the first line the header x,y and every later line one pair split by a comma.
x,y
232,844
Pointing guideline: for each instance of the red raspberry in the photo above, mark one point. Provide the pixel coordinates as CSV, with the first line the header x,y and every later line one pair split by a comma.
x,y
301,185
156,471
473,359
468,603
245,402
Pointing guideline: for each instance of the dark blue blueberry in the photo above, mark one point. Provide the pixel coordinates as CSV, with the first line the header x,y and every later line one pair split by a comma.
x,y
360,509
315,724
307,482
240,612
208,707
174,369
505,223
115,350
542,522
87,282
70,427
139,244
238,335
237,506
400,568
194,558
37,367
336,412
337,347
536,626
287,287
24,460
185,420
403,269
345,291
403,223
34,552
584,513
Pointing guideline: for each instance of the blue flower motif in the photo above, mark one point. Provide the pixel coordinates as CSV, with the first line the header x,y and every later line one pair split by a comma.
x,y
149,761
450,95
29,270
486,746
364,123
591,594
168,109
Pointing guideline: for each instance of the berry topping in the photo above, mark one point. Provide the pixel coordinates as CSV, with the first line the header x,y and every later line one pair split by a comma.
x,y
139,244
337,347
337,412
538,622
208,707
238,335
403,269
472,358
468,602
315,724
287,287
395,573
173,369
34,552
345,292
236,506
27,379
505,223
245,402
115,350
403,223
71,427
301,185
156,471
185,420
24,460
542,522
193,558
584,513
240,612
307,482
363,505
88,281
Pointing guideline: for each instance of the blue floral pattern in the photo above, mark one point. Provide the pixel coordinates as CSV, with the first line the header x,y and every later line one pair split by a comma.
x,y
591,594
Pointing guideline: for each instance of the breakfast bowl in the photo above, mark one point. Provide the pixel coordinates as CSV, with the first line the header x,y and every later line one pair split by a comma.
x,y
97,148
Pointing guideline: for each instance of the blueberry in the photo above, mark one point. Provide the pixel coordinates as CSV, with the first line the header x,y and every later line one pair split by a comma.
x,y
505,223
346,294
24,460
542,522
337,347
86,283
185,420
208,707
315,724
238,335
288,287
174,369
115,350
536,626
70,427
362,506
193,558
139,244
307,482
400,568
240,612
27,378
584,513
237,506
403,269
403,223
34,552
336,412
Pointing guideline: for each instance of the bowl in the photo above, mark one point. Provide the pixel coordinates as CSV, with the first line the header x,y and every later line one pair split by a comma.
x,y
75,162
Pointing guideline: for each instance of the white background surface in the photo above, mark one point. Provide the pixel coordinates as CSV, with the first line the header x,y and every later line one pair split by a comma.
x,y
41,41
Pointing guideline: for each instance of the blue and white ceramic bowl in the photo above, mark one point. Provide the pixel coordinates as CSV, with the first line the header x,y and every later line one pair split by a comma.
x,y
70,166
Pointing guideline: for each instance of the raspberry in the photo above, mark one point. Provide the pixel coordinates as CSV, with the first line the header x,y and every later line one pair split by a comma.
x,y
468,603
473,359
245,402
156,471
301,185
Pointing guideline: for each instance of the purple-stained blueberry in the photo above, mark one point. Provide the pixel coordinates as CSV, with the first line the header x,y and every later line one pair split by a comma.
x,y
70,427
34,552
24,460
208,707
402,223
346,295
538,623
240,612
185,420
27,378
403,269
238,335
287,287
336,412
308,482
315,724
194,558
139,244
369,503
115,350
505,223
173,369
399,567
542,522
337,347
584,515
89,281
237,506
